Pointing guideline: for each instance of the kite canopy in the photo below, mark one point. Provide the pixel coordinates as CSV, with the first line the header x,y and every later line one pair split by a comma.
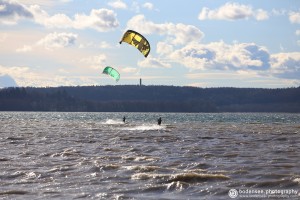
x,y
112,72
137,40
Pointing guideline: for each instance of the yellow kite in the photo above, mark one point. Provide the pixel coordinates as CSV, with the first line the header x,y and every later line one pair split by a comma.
x,y
137,40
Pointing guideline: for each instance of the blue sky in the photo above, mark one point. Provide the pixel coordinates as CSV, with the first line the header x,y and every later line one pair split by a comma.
x,y
204,44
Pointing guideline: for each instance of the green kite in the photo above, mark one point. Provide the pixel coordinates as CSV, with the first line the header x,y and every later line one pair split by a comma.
x,y
112,72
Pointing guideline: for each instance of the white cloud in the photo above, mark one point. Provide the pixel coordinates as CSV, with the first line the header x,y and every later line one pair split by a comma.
x,y
25,48
101,45
280,12
135,7
286,65
148,6
232,11
11,12
101,20
221,56
151,62
261,15
27,77
95,62
164,48
57,40
130,70
17,73
2,8
117,4
105,45
294,17
3,37
241,58
55,21
177,33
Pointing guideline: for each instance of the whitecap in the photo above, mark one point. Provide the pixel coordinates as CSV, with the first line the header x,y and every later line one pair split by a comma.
x,y
142,168
145,128
112,121
296,180
177,185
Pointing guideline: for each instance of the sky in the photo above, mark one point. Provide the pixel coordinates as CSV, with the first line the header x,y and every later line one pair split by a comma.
x,y
249,43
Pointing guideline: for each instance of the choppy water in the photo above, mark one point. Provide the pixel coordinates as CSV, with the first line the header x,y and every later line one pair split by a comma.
x,y
190,156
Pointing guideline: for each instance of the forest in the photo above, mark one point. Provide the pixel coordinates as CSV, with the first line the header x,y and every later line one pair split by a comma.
x,y
136,98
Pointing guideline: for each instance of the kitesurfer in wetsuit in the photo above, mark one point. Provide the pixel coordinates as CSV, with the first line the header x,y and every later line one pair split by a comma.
x,y
124,119
159,121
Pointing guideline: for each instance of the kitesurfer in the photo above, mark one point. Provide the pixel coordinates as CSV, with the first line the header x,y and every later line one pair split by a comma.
x,y
159,121
124,119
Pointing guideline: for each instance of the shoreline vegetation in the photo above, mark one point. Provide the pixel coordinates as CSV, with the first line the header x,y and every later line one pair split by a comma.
x,y
135,98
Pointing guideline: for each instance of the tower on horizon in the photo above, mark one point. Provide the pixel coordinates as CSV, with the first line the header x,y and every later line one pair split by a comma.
x,y
140,82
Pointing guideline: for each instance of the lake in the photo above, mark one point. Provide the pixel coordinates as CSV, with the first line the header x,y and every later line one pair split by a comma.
x,y
54,155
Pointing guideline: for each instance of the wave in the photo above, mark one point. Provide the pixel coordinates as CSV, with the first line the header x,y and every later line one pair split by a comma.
x,y
177,185
142,168
195,177
112,122
297,180
12,192
182,177
144,128
140,158
2,159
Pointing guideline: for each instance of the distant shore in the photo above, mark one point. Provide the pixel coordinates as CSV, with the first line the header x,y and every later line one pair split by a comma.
x,y
134,98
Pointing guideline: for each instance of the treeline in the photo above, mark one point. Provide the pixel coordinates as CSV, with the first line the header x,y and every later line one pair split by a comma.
x,y
131,98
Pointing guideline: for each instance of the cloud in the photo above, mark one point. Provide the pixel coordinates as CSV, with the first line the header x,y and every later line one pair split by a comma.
x,y
279,12
117,4
178,34
11,12
101,45
286,65
130,70
261,15
221,56
51,41
101,20
55,21
27,77
57,40
95,62
151,62
241,58
135,7
164,48
25,48
16,73
294,17
148,6
3,37
233,11
105,45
